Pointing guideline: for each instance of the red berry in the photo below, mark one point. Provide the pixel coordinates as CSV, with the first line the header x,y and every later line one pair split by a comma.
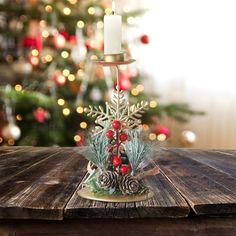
x,y
144,39
124,169
116,161
123,137
116,124
109,134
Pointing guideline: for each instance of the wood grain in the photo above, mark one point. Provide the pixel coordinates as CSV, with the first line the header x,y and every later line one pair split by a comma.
x,y
196,226
167,202
42,190
207,190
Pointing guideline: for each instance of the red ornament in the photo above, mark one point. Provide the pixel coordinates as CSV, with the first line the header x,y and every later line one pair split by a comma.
x,y
124,169
163,130
123,137
109,134
124,81
65,35
116,161
144,39
116,124
40,115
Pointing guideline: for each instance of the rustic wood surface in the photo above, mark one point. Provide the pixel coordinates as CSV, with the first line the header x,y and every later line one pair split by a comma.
x,y
199,226
42,183
203,180
42,187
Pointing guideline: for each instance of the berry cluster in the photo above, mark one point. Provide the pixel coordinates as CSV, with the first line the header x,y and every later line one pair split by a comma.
x,y
118,159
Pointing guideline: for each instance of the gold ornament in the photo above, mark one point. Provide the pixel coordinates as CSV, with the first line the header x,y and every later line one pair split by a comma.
x,y
118,109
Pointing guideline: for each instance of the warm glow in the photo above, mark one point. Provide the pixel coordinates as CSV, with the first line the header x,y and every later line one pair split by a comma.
x,y
19,117
153,104
152,136
66,111
80,24
35,52
161,137
61,102
91,10
77,138
48,8
67,11
134,92
66,72
108,11
80,110
71,77
64,54
83,125
100,24
45,33
18,87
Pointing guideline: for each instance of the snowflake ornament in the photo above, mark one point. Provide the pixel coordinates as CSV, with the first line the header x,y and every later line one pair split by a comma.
x,y
118,109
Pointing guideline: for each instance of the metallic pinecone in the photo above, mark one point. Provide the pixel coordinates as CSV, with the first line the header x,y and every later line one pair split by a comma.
x,y
128,185
107,180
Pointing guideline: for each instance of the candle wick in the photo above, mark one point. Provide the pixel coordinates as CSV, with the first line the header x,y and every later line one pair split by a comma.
x,y
113,7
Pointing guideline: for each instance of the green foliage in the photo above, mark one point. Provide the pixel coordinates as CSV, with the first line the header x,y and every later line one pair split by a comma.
x,y
96,152
136,150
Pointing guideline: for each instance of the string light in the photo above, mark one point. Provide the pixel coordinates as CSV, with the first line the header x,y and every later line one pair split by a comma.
x,y
1,139
64,54
48,58
140,88
152,136
34,61
145,127
80,73
18,87
19,117
153,104
93,57
42,23
100,25
66,111
80,110
134,92
11,142
35,52
108,11
77,138
91,11
83,125
45,33
131,20
71,77
66,11
72,1
61,102
80,24
48,8
161,137
66,72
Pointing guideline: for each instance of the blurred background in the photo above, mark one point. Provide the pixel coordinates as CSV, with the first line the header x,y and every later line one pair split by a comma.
x,y
185,55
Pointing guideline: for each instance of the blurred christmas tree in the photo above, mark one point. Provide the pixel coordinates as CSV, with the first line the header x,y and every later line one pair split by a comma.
x,y
48,77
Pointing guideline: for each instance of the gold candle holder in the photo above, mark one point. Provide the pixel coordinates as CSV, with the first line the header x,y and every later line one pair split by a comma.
x,y
114,57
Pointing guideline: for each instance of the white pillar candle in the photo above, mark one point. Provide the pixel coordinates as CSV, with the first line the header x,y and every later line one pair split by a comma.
x,y
112,33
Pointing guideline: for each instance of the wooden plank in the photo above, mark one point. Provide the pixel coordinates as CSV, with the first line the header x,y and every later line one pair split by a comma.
x,y
224,161
11,163
167,202
196,226
42,190
207,190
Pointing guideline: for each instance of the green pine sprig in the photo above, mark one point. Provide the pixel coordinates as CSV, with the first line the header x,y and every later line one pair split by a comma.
x,y
96,152
136,150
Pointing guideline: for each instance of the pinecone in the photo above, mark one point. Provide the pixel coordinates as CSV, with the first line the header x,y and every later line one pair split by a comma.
x,y
129,185
107,180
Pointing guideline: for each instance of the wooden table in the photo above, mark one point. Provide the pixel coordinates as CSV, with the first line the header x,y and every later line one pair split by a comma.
x,y
195,194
